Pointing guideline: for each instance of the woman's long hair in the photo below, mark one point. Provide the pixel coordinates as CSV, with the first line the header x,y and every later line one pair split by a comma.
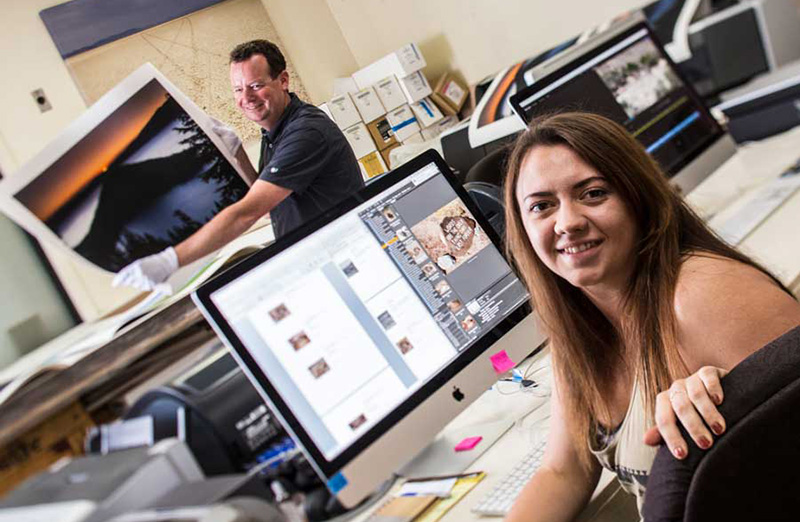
x,y
587,349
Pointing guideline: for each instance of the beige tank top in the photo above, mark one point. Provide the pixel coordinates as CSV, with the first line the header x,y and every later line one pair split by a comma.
x,y
623,451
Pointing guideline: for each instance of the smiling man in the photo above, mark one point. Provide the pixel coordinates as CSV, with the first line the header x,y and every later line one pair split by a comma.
x,y
306,165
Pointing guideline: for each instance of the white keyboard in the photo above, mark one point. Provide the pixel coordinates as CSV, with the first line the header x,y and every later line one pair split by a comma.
x,y
498,501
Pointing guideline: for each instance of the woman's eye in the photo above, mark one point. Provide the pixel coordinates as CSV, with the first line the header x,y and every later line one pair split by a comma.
x,y
595,193
539,206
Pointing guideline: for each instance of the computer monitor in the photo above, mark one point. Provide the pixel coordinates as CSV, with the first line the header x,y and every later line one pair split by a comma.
x,y
625,74
370,328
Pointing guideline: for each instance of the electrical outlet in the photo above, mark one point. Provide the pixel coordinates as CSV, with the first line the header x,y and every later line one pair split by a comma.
x,y
41,100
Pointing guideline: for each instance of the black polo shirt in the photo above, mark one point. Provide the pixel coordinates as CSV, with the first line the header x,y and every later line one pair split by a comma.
x,y
307,154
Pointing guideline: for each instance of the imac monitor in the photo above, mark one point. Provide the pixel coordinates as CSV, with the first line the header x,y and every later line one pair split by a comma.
x,y
370,328
624,74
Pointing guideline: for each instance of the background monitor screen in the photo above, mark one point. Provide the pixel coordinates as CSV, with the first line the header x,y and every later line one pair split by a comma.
x,y
631,80
348,326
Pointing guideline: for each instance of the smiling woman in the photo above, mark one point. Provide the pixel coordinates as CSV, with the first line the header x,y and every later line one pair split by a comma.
x,y
637,296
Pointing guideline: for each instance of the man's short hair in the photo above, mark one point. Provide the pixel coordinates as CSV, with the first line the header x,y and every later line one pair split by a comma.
x,y
270,51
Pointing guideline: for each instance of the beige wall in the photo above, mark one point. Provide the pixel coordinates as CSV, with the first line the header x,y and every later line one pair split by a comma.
x,y
29,60
313,42
475,37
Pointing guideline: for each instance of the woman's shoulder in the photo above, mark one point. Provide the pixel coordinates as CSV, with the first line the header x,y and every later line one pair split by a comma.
x,y
726,309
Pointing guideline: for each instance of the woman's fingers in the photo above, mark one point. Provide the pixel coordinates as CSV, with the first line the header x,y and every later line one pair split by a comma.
x,y
692,402
668,427
652,437
710,377
703,404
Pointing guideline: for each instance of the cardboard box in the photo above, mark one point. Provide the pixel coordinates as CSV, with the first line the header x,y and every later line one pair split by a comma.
x,y
381,132
436,129
344,86
386,154
415,87
426,112
414,138
451,91
327,110
372,165
344,111
403,122
390,93
359,139
368,104
401,63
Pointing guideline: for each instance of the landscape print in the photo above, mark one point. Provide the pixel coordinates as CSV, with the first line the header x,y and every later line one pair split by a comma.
x,y
145,178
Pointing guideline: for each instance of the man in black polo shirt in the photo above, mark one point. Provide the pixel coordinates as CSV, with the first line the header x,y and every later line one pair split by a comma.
x,y
306,165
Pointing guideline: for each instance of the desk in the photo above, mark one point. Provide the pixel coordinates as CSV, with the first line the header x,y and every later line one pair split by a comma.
x,y
774,242
609,502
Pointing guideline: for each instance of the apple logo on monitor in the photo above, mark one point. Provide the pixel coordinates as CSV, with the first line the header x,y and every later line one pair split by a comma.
x,y
457,394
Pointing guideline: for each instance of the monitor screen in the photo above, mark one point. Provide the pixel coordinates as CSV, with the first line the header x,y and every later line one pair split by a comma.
x,y
356,319
631,80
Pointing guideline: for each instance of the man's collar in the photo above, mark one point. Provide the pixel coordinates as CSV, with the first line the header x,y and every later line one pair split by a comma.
x,y
294,102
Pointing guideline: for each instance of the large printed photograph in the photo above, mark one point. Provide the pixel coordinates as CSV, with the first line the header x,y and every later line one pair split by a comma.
x,y
143,178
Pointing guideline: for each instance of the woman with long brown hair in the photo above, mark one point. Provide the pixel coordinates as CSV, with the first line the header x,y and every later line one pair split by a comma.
x,y
644,306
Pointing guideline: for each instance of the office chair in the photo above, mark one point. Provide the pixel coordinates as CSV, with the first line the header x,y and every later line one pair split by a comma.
x,y
484,182
752,472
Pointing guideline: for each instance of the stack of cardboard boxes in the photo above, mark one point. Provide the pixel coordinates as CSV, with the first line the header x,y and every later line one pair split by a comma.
x,y
390,102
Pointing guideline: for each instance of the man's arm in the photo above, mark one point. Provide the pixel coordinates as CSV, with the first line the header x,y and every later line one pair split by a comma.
x,y
231,222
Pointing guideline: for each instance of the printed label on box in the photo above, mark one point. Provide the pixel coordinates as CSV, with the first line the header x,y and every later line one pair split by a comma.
x,y
454,93
390,93
360,140
344,111
368,104
415,87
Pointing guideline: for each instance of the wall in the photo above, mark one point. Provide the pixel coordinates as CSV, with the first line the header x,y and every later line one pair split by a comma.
x,y
475,37
30,60
313,42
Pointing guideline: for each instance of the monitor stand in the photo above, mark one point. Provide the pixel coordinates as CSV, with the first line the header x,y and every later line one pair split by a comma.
x,y
440,458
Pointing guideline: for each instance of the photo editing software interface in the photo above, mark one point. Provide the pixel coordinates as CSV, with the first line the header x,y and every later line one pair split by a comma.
x,y
350,321
629,80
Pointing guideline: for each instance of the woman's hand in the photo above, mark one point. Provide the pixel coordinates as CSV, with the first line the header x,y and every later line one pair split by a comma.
x,y
694,402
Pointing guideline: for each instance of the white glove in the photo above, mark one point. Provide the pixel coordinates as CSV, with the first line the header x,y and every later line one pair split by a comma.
x,y
147,272
227,135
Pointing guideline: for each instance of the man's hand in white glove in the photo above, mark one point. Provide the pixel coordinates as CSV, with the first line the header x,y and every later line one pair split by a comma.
x,y
147,272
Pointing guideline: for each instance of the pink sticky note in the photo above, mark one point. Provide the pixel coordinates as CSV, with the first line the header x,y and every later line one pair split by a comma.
x,y
468,443
501,362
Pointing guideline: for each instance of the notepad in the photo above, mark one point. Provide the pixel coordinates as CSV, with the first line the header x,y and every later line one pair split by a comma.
x,y
402,509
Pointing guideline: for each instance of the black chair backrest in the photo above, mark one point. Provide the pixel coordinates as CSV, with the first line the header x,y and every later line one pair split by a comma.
x,y
489,199
752,472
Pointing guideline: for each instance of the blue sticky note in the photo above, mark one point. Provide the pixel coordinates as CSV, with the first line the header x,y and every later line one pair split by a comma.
x,y
337,483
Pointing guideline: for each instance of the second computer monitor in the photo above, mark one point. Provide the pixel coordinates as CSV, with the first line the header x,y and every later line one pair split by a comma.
x,y
626,76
